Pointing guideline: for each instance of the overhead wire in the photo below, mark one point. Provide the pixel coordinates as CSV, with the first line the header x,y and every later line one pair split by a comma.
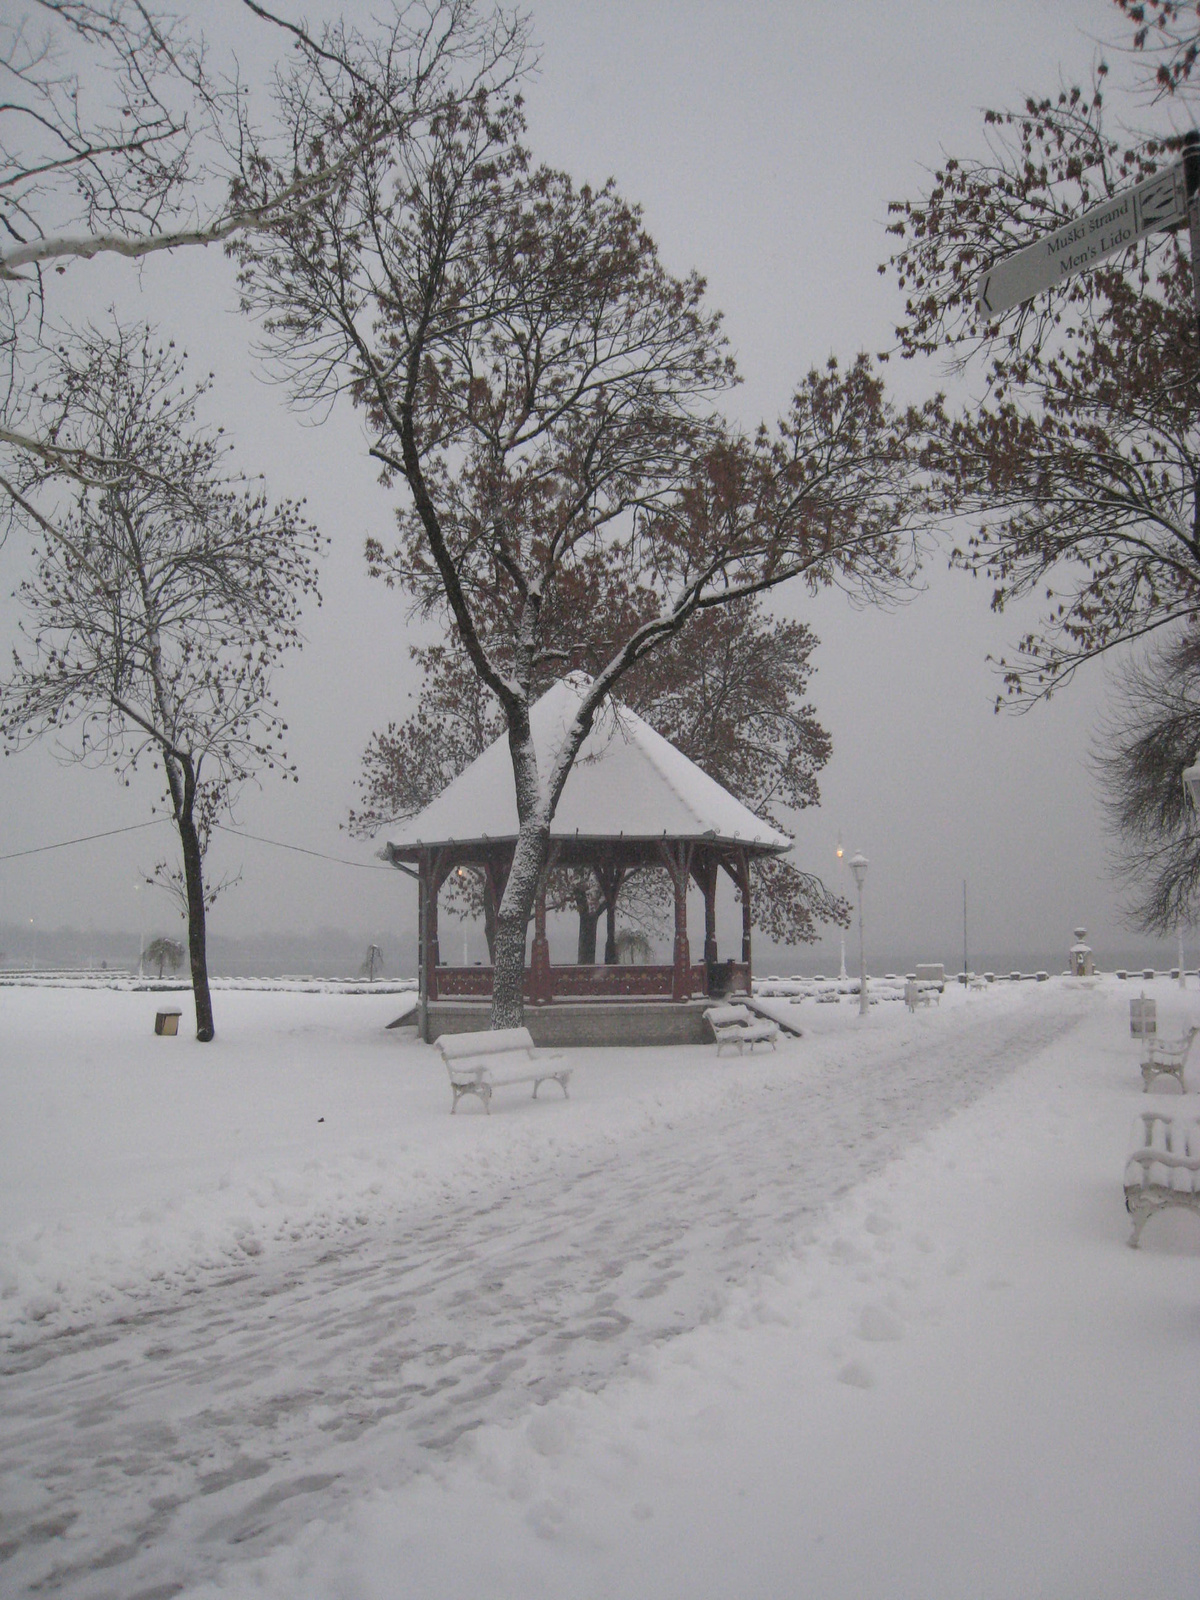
x,y
302,850
87,838
134,827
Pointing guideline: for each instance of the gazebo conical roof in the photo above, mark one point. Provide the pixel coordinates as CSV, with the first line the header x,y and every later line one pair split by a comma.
x,y
628,782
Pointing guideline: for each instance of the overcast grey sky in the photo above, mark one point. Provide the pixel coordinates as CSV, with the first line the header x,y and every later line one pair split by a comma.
x,y
764,142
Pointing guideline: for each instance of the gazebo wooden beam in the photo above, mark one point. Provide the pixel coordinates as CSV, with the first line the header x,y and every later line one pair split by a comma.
x,y
540,983
677,857
704,871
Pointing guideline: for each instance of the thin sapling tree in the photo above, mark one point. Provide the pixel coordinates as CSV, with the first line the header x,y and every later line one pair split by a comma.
x,y
159,604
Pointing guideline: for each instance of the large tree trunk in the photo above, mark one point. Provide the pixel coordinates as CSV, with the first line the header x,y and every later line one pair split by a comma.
x,y
589,921
193,876
610,932
512,922
535,811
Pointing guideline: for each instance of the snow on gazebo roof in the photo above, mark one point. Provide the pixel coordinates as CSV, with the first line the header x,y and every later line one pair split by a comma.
x,y
627,781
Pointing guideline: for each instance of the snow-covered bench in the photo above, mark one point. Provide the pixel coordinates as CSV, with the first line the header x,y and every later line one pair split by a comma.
x,y
920,994
1166,1058
1163,1167
737,1025
480,1062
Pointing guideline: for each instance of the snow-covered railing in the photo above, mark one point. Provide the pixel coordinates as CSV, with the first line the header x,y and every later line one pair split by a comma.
x,y
101,978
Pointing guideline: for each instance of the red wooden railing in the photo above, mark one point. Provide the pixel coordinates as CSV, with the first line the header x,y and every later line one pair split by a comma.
x,y
587,983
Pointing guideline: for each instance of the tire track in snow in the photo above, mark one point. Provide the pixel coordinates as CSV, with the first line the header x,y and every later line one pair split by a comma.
x,y
138,1456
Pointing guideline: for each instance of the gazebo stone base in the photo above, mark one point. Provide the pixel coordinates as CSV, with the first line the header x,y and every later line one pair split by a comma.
x,y
586,1022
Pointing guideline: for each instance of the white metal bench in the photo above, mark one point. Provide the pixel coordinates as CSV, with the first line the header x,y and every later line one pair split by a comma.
x,y
1163,1168
737,1025
920,994
1166,1058
475,1062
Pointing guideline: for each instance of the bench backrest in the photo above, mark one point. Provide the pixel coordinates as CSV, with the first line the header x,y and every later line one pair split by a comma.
x,y
725,1016
488,1042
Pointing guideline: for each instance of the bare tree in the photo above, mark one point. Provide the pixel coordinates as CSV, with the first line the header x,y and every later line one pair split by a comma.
x,y
633,947
159,603
1168,32
167,952
1149,738
372,963
543,388
730,690
1077,475
120,136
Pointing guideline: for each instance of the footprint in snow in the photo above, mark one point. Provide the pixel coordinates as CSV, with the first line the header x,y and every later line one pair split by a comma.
x,y
858,1375
957,1264
878,1325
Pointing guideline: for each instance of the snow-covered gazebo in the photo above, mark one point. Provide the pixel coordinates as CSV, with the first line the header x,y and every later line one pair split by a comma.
x,y
632,801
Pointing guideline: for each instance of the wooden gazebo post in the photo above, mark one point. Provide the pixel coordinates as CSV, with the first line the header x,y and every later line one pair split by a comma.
x,y
678,862
539,962
610,875
423,943
433,874
744,871
706,876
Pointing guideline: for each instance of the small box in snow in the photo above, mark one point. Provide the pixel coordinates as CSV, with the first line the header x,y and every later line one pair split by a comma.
x,y
167,1022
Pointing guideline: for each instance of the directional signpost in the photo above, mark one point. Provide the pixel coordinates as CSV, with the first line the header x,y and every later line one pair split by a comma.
x,y
1115,224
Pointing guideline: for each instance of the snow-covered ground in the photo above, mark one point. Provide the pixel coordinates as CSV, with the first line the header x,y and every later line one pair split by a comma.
x,y
852,1319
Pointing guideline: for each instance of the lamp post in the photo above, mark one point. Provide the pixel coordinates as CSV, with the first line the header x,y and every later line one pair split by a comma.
x,y
858,866
140,902
842,966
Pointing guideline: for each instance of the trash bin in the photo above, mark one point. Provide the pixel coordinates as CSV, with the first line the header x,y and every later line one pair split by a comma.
x,y
1143,1017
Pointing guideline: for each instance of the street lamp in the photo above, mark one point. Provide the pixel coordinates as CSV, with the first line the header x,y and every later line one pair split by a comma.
x,y
842,966
858,866
140,902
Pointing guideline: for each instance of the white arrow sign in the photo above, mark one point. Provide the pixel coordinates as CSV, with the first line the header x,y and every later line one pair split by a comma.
x,y
1159,202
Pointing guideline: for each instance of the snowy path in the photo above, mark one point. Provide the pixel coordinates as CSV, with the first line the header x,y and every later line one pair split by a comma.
x,y
139,1456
